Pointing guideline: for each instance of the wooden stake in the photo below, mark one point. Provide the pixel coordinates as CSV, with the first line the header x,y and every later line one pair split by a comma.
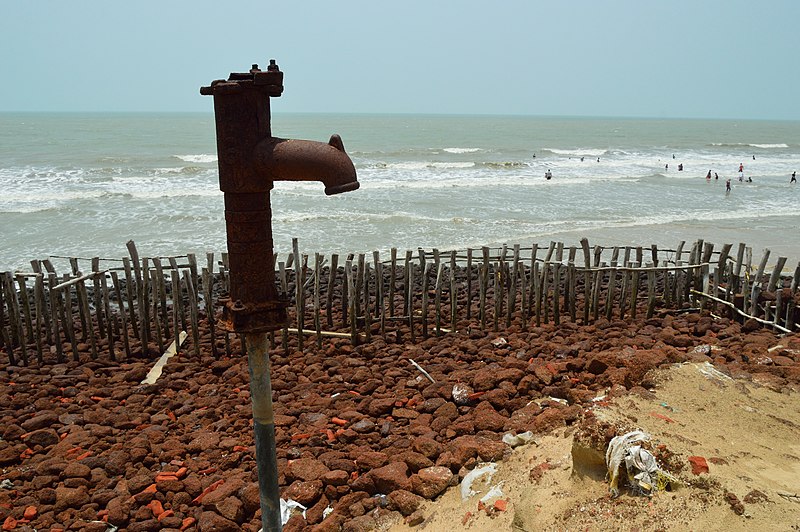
x,y
757,281
38,297
208,291
124,330
651,292
109,317
469,283
453,293
55,299
193,313
130,290
317,309
156,320
332,273
612,286
392,281
409,303
84,301
97,293
425,278
438,298
26,312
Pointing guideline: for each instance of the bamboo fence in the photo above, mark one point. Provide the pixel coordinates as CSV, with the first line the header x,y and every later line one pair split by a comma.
x,y
135,306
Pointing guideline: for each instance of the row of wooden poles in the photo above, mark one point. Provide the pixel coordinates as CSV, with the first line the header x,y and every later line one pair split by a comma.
x,y
145,302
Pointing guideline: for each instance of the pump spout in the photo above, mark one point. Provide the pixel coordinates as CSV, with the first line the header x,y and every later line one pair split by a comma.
x,y
306,160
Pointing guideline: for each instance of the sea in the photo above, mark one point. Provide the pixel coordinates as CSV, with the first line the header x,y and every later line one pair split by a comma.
x,y
82,185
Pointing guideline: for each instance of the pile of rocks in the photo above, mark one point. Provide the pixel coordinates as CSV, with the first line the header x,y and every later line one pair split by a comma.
x,y
361,432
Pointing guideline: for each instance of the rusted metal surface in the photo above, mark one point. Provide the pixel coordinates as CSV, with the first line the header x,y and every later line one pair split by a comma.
x,y
250,161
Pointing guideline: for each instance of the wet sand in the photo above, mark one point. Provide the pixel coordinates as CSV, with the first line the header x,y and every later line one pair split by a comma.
x,y
780,236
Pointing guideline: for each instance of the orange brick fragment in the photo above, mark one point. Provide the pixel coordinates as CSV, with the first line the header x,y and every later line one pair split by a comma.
x,y
662,416
30,512
331,436
87,454
152,488
171,415
187,522
161,477
156,507
301,436
500,505
180,473
166,513
208,490
240,448
338,421
207,471
10,523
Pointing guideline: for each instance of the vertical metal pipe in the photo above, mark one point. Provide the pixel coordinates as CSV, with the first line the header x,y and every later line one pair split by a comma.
x,y
264,427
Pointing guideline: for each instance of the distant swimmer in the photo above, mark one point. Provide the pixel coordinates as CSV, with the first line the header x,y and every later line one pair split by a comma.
x,y
754,157
534,156
741,167
728,186
741,177
716,176
708,175
794,178
548,175
680,167
666,166
673,155
581,159
749,179
598,159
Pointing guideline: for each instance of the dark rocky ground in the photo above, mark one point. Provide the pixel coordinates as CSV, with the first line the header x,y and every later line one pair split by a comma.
x,y
359,429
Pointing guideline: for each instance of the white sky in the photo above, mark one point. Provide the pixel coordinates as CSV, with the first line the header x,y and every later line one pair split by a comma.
x,y
668,58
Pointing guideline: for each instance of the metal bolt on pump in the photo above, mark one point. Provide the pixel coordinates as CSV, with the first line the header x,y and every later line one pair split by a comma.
x,y
250,159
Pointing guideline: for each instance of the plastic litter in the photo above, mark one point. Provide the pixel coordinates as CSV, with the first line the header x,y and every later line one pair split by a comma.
x,y
515,440
461,393
711,372
288,507
500,342
487,470
492,495
327,511
7,484
643,474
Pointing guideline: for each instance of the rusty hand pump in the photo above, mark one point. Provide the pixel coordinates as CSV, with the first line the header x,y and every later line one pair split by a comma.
x,y
250,161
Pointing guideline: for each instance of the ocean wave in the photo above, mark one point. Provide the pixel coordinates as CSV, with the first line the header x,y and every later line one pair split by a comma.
x,y
198,158
779,145
421,165
461,150
578,152
766,146
505,164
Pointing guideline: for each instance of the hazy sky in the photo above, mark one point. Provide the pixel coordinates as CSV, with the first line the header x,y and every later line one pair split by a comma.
x,y
654,58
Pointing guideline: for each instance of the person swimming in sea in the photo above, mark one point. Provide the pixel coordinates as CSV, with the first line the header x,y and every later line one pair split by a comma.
x,y
548,174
